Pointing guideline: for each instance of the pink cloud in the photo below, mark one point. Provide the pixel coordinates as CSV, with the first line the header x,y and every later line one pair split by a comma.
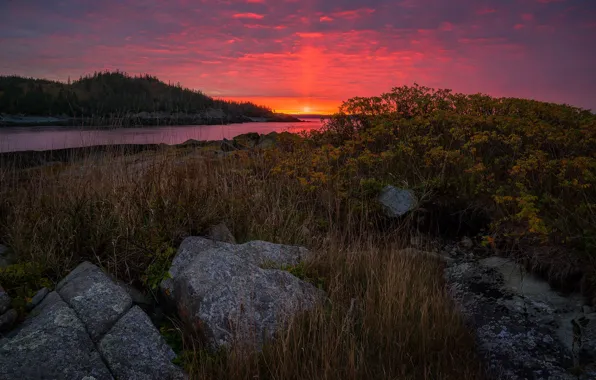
x,y
325,19
254,16
309,35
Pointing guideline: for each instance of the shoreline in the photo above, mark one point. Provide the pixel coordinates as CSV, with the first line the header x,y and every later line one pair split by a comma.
x,y
143,125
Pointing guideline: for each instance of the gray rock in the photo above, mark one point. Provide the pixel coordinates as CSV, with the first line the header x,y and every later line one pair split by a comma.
x,y
587,327
523,328
397,202
96,299
8,319
234,301
220,232
190,248
259,253
51,344
5,301
134,349
37,298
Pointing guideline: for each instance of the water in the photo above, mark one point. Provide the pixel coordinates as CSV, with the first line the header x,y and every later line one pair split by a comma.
x,y
15,139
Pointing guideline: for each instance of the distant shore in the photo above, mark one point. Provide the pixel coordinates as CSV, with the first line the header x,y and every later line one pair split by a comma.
x,y
138,120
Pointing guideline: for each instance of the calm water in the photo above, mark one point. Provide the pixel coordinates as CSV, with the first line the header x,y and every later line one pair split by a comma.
x,y
14,139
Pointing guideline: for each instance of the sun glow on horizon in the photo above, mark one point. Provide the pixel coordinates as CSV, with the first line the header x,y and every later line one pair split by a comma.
x,y
293,106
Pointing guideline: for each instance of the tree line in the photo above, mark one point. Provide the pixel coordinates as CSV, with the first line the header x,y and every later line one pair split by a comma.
x,y
108,93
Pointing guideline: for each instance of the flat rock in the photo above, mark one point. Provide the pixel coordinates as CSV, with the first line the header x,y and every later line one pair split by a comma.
x,y
396,202
51,344
523,328
233,301
97,300
5,301
134,349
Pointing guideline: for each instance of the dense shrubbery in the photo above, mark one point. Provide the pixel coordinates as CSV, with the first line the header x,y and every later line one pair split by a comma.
x,y
530,165
528,168
110,94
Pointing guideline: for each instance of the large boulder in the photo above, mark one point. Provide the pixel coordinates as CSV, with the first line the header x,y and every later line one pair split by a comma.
x,y
259,253
396,202
51,344
234,294
523,327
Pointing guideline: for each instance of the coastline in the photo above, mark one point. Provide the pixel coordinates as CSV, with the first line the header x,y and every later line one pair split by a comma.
x,y
132,122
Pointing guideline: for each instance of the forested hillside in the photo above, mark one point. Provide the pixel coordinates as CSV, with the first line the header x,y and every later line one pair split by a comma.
x,y
112,94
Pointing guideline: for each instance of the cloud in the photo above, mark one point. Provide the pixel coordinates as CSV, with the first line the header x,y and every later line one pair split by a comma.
x,y
312,51
255,16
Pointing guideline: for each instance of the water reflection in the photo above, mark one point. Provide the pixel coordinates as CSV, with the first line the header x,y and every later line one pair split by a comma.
x,y
13,139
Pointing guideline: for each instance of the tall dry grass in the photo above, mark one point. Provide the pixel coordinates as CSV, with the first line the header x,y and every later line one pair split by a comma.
x,y
388,317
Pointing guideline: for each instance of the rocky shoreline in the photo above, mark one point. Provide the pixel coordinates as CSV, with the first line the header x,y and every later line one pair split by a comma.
x,y
141,119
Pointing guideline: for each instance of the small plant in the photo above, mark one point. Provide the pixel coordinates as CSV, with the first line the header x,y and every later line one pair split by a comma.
x,y
22,281
158,270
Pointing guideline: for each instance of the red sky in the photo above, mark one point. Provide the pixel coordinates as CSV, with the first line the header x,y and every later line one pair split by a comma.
x,y
309,55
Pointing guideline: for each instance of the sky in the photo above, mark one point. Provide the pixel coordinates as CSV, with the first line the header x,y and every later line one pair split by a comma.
x,y
307,56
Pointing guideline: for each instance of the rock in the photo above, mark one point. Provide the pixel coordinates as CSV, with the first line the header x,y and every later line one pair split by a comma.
x,y
37,298
8,319
51,344
97,300
397,202
134,349
193,143
257,252
227,145
267,141
220,232
233,301
587,327
247,140
5,301
523,327
466,243
188,250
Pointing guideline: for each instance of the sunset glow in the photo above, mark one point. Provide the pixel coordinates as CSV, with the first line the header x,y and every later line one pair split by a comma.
x,y
309,56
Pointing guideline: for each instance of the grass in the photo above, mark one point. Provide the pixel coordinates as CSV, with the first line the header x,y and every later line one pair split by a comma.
x,y
518,176
389,316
